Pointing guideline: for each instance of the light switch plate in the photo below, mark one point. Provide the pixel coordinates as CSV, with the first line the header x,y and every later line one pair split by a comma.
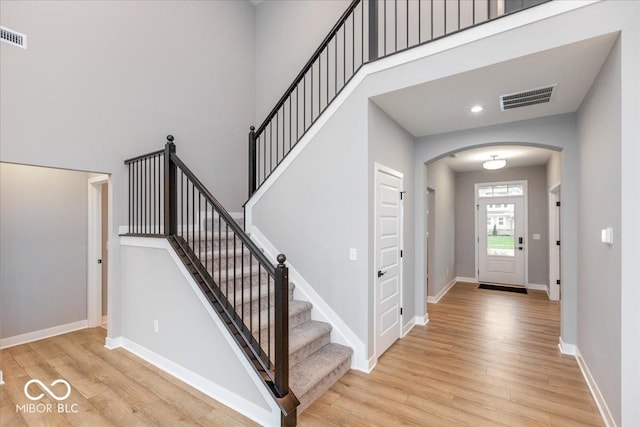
x,y
536,236
606,236
353,254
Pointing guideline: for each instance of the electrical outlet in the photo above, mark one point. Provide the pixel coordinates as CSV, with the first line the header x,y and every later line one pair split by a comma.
x,y
353,254
156,326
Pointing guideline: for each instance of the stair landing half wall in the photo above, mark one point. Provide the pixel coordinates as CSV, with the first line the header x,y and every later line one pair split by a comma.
x,y
196,346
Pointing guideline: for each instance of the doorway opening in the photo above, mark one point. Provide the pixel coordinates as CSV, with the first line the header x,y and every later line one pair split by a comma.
x,y
98,251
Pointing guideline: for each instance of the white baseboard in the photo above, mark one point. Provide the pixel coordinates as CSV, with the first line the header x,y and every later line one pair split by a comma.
x,y
417,320
422,320
42,334
341,333
371,363
537,287
595,391
239,404
466,279
113,343
408,327
198,382
435,299
568,349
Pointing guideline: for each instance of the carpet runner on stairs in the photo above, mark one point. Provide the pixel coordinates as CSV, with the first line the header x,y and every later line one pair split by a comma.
x,y
315,363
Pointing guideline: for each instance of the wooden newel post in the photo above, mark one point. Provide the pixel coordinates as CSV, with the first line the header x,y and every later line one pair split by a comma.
x,y
373,30
282,327
170,189
252,160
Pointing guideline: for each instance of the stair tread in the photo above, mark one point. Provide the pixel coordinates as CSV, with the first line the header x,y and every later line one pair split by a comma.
x,y
306,333
310,371
295,307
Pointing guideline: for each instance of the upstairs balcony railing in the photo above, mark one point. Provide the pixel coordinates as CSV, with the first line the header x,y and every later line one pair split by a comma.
x,y
366,31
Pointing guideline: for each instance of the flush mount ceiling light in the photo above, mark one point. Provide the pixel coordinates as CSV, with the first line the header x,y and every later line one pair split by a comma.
x,y
494,163
477,108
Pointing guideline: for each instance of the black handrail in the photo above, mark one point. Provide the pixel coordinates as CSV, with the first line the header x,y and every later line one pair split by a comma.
x,y
227,217
386,35
144,156
166,199
309,64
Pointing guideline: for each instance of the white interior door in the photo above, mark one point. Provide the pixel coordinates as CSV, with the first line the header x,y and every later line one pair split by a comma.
x,y
388,213
501,244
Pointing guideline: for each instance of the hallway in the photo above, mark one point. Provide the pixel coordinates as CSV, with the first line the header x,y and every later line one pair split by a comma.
x,y
485,358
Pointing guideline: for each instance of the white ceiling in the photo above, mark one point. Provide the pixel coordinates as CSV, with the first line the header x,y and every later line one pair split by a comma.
x,y
516,156
443,105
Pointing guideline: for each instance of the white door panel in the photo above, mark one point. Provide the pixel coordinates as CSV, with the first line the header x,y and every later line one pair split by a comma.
x,y
388,213
501,244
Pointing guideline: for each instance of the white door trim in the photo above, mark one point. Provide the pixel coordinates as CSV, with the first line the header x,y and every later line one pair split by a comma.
x,y
554,249
381,168
526,225
94,250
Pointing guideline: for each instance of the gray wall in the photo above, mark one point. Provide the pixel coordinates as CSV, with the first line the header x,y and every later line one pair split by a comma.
x,y
554,170
599,295
442,179
287,33
107,80
319,208
193,341
43,250
392,146
537,216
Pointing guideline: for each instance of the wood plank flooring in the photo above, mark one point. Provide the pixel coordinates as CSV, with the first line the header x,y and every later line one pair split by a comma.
x,y
486,358
110,387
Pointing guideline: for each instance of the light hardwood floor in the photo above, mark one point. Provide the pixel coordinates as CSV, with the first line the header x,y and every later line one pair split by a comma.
x,y
486,358
111,387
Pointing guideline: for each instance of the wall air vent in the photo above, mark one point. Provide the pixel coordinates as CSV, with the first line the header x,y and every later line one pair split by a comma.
x,y
526,98
13,37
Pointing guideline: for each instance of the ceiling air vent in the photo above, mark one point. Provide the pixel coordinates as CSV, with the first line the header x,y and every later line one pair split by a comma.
x,y
528,97
13,37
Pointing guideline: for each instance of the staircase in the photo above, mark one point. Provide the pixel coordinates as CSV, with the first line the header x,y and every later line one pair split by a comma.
x,y
315,363
292,353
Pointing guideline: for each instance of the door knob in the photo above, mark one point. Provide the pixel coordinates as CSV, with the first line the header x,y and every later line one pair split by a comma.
x,y
381,273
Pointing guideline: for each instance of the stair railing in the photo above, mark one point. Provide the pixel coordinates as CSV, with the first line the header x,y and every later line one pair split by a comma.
x,y
366,31
166,199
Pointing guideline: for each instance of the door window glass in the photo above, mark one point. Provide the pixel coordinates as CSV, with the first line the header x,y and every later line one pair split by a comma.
x,y
501,190
501,229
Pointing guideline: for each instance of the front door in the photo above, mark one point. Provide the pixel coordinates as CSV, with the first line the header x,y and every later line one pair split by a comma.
x,y
501,240
389,273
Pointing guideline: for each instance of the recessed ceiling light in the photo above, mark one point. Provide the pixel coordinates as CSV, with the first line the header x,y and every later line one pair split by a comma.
x,y
477,108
